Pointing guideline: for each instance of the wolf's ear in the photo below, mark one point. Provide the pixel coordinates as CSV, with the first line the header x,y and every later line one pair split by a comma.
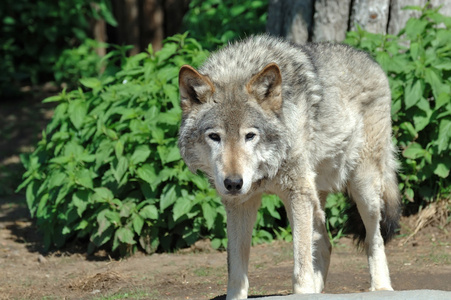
x,y
266,86
194,87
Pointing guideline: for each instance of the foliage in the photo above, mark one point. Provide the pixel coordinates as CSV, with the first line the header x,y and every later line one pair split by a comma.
x,y
34,33
108,170
214,22
79,62
418,64
108,167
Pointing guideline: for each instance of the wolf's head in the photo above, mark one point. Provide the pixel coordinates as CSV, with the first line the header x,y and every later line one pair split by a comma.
x,y
231,129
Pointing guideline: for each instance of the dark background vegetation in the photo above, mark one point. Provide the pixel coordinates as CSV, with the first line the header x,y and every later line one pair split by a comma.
x,y
106,171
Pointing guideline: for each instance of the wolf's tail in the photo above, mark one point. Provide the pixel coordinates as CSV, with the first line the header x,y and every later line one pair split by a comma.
x,y
390,213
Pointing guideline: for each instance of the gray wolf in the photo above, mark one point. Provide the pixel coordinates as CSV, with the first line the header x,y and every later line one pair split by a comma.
x,y
266,116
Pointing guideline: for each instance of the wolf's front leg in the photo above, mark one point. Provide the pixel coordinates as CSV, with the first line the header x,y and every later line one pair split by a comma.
x,y
302,207
302,228
240,221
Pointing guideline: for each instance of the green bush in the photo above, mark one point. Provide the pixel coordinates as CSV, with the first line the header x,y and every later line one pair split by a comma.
x,y
214,22
418,64
79,62
34,33
108,168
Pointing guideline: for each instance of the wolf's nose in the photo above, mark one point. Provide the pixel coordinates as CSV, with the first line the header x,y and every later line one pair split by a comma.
x,y
233,183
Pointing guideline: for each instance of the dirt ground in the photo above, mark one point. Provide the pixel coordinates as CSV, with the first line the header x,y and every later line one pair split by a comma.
x,y
422,261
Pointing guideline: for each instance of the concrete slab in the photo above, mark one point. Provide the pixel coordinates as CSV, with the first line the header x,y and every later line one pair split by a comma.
x,y
398,295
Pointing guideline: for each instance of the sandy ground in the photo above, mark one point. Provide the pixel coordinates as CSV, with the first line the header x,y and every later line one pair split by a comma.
x,y
423,262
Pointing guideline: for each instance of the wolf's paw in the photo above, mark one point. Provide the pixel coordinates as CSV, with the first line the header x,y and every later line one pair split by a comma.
x,y
382,288
298,289
236,294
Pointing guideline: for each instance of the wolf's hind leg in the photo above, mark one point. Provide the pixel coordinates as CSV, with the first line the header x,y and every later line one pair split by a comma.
x,y
365,189
322,249
240,221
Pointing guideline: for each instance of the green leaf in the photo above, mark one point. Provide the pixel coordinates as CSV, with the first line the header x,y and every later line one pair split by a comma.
x,y
56,179
444,135
168,197
209,214
422,118
438,87
77,112
442,170
83,178
413,151
413,93
157,136
149,212
138,223
173,155
167,51
104,194
127,209
107,13
140,154
443,65
91,82
442,100
415,27
147,173
125,235
182,207
101,237
119,148
32,190
200,181
55,98
216,243
119,168
81,199
408,127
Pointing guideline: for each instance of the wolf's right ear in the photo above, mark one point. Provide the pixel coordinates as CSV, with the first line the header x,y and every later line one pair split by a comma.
x,y
195,88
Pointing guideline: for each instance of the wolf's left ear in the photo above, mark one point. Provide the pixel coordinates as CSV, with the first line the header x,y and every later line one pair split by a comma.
x,y
195,88
266,86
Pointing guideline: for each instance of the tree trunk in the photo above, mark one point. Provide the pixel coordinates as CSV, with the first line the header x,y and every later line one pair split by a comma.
x,y
446,6
331,20
275,18
291,18
371,15
127,14
399,17
152,22
98,29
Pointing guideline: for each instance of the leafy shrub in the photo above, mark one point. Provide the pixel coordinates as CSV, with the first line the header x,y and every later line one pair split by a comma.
x,y
420,81
34,33
214,22
335,207
79,62
108,168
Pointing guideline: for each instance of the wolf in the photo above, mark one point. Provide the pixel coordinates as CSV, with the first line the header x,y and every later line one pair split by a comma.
x,y
263,115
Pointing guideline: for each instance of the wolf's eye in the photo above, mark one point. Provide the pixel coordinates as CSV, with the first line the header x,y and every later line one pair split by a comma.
x,y
214,137
250,136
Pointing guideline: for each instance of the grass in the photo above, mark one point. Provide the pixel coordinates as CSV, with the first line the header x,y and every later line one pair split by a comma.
x,y
133,294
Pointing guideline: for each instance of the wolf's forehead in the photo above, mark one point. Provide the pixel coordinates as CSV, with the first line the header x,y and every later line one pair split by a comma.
x,y
230,117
